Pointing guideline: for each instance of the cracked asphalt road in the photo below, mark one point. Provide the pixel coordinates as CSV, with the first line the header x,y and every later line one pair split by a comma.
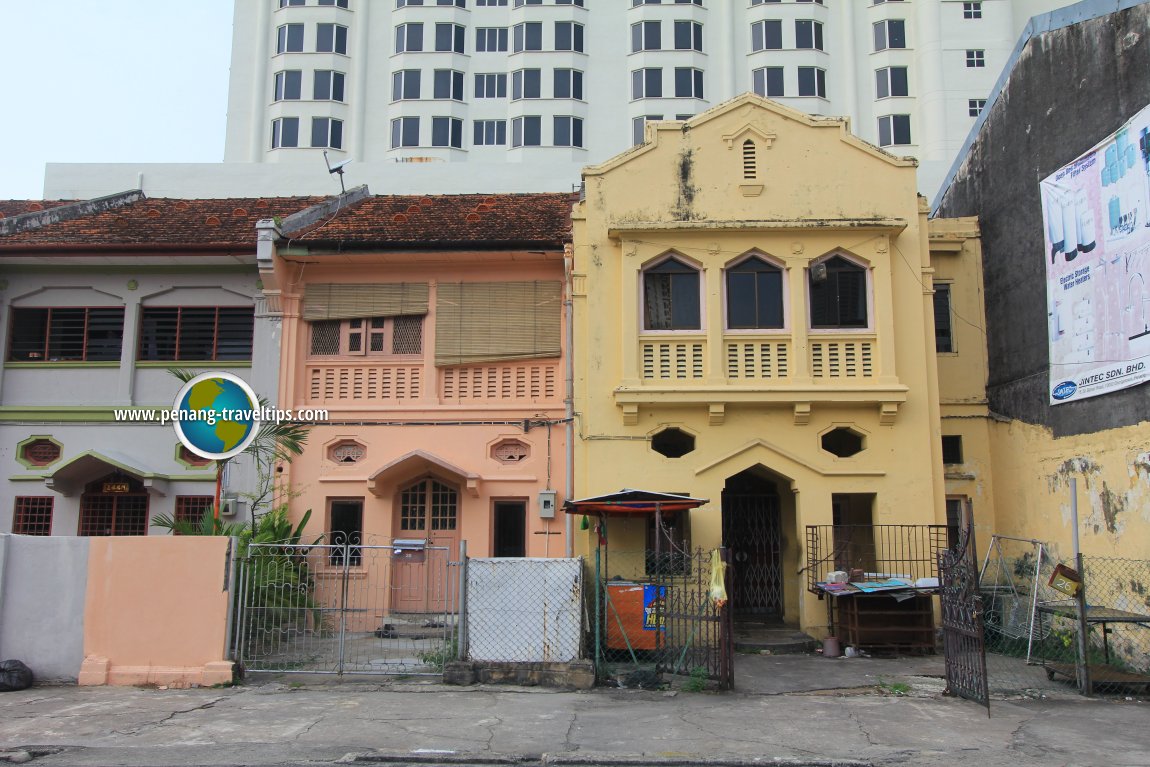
x,y
276,724
325,722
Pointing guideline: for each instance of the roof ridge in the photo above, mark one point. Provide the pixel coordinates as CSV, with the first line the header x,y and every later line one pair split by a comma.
x,y
39,218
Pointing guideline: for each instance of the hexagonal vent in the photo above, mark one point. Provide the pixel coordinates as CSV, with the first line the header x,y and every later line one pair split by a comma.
x,y
510,451
843,442
673,443
346,451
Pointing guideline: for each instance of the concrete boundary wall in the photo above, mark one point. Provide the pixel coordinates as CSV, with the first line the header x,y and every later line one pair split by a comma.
x,y
117,610
42,587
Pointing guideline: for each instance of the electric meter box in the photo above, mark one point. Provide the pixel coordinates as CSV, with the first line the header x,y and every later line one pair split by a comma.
x,y
547,504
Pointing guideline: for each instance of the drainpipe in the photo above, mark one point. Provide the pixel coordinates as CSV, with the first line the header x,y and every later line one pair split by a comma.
x,y
569,402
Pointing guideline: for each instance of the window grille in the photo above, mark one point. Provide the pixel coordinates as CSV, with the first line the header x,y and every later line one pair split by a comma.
x,y
113,514
191,508
41,452
33,515
196,333
66,334
347,452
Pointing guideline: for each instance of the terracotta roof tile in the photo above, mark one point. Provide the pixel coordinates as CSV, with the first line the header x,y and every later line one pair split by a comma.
x,y
16,207
447,220
166,222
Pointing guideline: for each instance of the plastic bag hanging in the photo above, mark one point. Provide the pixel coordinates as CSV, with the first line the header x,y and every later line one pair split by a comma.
x,y
718,579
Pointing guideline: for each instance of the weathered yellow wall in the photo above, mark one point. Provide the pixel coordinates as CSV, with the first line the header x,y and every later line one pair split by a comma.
x,y
1032,472
818,190
956,257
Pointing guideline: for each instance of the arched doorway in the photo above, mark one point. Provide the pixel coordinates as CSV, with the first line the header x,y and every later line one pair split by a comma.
x,y
116,504
426,514
752,531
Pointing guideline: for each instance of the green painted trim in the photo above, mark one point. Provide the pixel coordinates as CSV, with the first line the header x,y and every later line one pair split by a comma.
x,y
139,270
166,477
110,461
193,364
59,365
295,251
176,457
28,464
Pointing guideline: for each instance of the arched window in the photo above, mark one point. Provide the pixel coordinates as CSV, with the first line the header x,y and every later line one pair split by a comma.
x,y
754,295
838,294
671,297
750,167
428,505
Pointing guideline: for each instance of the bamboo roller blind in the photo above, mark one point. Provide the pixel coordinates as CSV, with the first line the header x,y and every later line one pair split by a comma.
x,y
326,301
492,321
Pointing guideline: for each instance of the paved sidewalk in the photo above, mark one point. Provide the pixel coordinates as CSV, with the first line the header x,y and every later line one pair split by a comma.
x,y
855,722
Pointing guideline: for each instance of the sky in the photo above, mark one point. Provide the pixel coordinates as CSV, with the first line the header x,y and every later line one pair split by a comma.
x,y
110,81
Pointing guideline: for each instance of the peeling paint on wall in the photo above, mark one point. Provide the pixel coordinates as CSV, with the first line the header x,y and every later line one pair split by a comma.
x,y
687,189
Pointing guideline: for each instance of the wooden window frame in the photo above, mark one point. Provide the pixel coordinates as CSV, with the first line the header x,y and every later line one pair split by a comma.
x,y
39,507
43,355
427,488
190,508
177,356
363,330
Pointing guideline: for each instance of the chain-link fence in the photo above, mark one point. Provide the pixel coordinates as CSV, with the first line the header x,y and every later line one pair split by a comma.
x,y
524,610
654,613
1117,625
347,607
1032,629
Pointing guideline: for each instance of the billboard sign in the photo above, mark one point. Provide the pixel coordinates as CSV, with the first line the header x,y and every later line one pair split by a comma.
x,y
1096,219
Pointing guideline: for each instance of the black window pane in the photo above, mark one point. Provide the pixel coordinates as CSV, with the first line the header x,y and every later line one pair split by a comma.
x,y
774,81
803,35
943,340
293,81
806,81
773,33
66,334
105,334
29,331
741,300
197,334
158,333
769,299
682,82
897,29
683,36
234,340
902,129
898,81
685,301
319,131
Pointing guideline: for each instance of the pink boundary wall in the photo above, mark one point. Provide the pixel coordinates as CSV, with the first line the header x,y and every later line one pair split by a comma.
x,y
156,612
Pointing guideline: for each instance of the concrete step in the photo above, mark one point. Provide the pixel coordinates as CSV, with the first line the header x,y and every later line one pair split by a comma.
x,y
778,640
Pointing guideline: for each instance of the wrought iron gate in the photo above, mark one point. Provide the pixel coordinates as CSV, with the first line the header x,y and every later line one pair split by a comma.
x,y
347,608
963,638
670,623
697,632
752,532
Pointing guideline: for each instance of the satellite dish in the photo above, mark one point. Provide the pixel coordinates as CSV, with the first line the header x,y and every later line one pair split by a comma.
x,y
336,170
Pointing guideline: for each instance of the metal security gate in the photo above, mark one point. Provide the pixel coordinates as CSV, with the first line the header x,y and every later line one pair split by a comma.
x,y
751,530
697,639
352,608
963,638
